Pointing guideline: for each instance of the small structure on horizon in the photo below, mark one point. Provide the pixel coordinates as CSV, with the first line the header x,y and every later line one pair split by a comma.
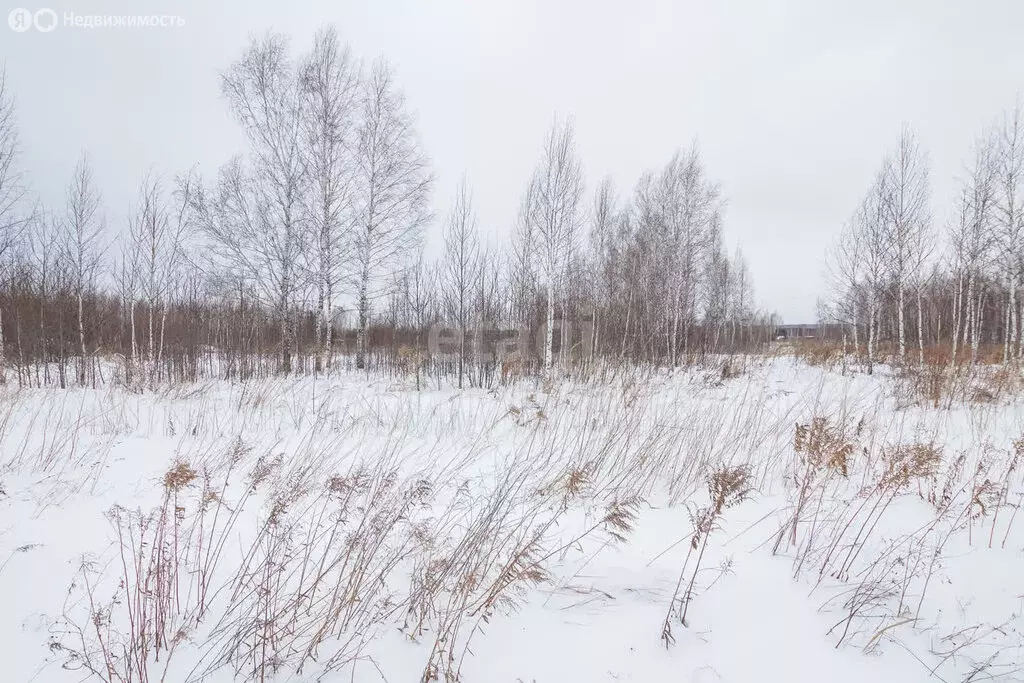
x,y
811,331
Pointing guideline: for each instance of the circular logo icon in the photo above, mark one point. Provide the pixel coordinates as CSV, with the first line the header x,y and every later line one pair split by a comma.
x,y
19,19
45,20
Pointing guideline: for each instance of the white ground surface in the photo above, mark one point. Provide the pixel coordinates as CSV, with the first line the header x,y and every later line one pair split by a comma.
x,y
924,596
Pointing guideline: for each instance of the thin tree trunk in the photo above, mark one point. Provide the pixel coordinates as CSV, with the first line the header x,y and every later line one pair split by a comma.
x,y
135,344
900,322
872,324
364,304
160,347
1011,320
920,328
81,338
549,332
320,331
856,337
3,350
957,315
328,330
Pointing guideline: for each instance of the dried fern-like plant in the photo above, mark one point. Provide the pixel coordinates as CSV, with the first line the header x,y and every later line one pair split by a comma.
x,y
822,450
728,486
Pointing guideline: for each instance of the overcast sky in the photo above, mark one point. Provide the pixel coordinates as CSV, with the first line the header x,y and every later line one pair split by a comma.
x,y
793,103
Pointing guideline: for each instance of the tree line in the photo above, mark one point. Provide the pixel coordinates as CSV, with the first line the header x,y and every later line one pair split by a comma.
x,y
902,283
307,251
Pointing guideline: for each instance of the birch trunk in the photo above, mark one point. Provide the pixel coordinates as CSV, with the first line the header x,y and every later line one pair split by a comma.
x,y
3,350
872,322
900,322
856,336
1011,327
549,330
364,305
957,315
920,328
81,339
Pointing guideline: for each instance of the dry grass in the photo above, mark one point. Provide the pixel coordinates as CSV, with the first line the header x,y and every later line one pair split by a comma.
x,y
818,353
269,561
314,525
942,386
728,486
846,479
821,450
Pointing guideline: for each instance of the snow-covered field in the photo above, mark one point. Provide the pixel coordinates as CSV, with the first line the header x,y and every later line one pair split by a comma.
x,y
354,528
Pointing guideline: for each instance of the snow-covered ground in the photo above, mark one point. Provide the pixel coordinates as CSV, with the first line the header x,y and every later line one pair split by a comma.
x,y
354,528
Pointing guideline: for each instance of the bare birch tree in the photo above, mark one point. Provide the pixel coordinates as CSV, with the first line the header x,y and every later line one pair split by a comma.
x,y
845,267
603,247
462,266
126,276
973,241
83,228
391,185
556,191
330,81
44,247
421,285
268,237
1009,213
14,214
157,234
523,266
874,250
907,221
743,290
689,215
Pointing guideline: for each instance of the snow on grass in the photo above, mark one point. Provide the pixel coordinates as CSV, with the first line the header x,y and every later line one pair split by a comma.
x,y
354,528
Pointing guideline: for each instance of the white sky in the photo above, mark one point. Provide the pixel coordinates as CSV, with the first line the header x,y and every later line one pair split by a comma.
x,y
793,102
